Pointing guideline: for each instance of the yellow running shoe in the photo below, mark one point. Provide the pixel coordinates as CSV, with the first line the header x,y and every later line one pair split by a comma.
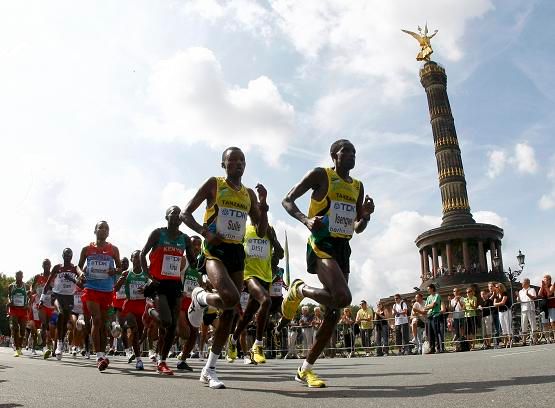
x,y
258,354
16,354
19,352
231,350
292,300
307,377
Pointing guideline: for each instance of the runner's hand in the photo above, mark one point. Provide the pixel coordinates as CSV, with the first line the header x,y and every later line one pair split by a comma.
x,y
212,239
112,271
262,193
315,223
124,274
367,207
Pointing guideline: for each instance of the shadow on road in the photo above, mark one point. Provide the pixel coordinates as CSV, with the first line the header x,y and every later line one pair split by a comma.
x,y
10,405
360,392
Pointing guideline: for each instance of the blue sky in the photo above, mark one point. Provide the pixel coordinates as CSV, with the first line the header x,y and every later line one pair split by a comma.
x,y
117,110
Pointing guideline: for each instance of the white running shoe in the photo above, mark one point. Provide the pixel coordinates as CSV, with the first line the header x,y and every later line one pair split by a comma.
x,y
209,376
33,352
58,353
195,311
87,355
152,356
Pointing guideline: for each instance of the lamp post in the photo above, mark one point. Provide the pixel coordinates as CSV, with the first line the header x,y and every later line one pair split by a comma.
x,y
511,275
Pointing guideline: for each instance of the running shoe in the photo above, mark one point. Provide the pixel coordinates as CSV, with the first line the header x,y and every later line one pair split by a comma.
x,y
292,300
152,356
248,360
47,354
195,311
231,349
182,365
33,352
139,365
258,354
74,352
58,354
87,355
308,378
130,358
163,368
209,376
111,352
102,363
16,353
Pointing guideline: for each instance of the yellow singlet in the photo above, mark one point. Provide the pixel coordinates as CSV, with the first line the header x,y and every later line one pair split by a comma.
x,y
258,260
228,215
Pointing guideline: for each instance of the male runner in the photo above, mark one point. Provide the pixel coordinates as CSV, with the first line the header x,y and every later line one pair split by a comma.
x,y
338,208
133,283
62,281
102,263
258,279
117,306
43,303
78,326
18,310
228,204
166,247
188,333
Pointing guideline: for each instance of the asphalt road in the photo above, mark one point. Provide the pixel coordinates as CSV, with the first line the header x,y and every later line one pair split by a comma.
x,y
519,377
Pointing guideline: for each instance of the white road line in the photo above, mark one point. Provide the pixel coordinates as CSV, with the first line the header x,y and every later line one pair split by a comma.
x,y
520,352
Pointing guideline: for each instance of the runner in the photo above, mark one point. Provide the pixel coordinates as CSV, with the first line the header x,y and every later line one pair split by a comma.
x,y
43,303
228,203
78,326
102,263
18,309
133,283
188,333
62,281
258,280
118,322
338,208
166,247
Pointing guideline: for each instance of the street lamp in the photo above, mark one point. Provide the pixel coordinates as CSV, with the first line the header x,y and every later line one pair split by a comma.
x,y
511,275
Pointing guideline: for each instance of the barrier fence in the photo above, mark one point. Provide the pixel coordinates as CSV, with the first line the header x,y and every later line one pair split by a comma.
x,y
485,327
491,327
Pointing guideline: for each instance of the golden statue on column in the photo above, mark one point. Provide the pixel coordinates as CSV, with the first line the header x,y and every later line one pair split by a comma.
x,y
424,40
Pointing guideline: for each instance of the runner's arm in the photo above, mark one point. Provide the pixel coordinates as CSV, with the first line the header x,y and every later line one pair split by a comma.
x,y
149,246
48,284
365,207
207,192
117,261
259,210
314,180
278,249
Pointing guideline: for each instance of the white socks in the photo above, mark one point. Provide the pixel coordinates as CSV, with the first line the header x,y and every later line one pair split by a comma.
x,y
258,343
306,366
212,360
201,298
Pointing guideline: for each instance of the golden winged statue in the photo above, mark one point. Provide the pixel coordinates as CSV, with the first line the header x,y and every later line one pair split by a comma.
x,y
424,40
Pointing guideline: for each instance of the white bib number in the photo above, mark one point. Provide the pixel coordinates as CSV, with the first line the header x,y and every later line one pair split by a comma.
x,y
342,218
189,285
120,294
98,269
19,300
134,292
244,300
171,266
258,248
63,286
275,289
231,224
46,299
77,303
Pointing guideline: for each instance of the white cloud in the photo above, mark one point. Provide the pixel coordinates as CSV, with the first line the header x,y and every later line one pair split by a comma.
x,y
525,159
497,162
489,217
195,104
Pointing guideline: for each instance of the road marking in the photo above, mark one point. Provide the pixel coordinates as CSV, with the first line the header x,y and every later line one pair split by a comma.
x,y
520,352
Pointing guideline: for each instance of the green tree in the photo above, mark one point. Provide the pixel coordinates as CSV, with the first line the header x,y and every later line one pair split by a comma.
x,y
5,282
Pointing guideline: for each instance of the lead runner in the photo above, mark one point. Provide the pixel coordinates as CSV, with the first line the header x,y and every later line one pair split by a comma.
x,y
228,204
338,208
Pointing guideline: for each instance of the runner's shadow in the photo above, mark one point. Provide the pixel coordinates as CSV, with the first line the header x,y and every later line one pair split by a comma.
x,y
385,391
12,405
